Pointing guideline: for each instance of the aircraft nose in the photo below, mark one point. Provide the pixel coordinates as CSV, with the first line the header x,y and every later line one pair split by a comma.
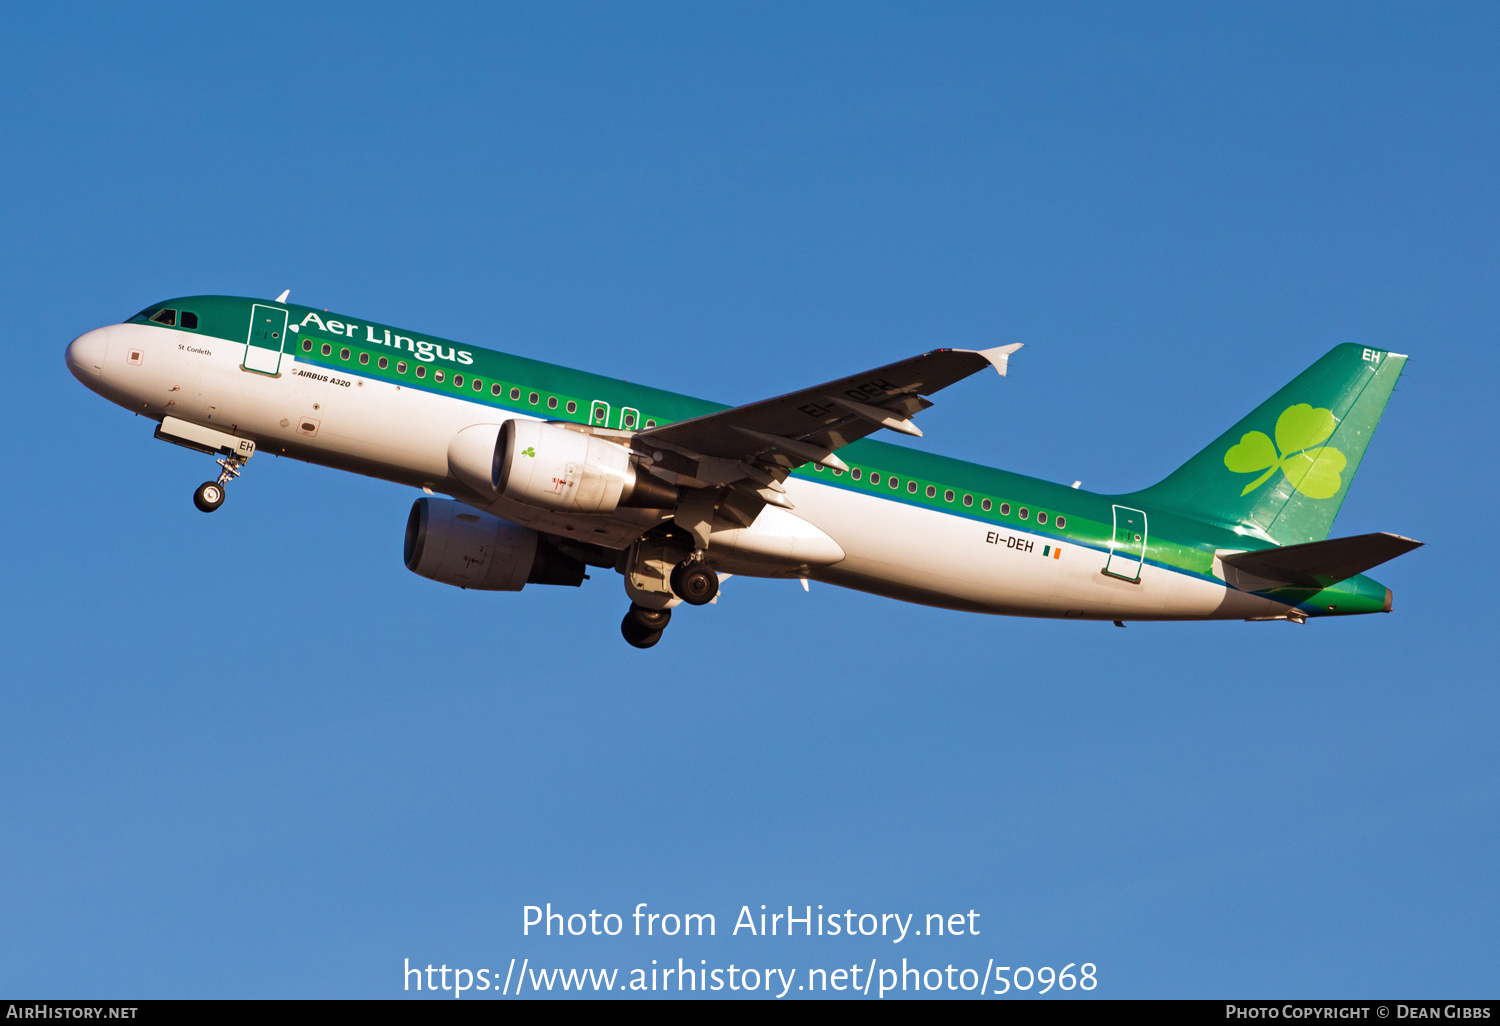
x,y
86,353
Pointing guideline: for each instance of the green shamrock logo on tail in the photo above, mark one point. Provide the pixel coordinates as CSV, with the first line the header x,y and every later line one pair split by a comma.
x,y
1312,468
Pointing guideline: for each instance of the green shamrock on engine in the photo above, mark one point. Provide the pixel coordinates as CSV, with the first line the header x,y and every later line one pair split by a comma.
x,y
528,451
1313,469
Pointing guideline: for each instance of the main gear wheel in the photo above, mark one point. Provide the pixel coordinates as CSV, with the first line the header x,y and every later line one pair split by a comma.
x,y
695,583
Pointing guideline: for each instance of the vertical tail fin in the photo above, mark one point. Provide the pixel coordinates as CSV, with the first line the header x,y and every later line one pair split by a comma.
x,y
1283,471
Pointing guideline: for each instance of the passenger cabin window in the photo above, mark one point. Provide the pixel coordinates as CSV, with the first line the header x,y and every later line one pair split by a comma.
x,y
190,320
167,317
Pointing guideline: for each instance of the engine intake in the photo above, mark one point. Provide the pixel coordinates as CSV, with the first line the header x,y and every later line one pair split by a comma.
x,y
553,468
451,543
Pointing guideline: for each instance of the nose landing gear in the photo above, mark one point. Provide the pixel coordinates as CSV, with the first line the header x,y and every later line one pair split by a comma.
x,y
200,438
210,494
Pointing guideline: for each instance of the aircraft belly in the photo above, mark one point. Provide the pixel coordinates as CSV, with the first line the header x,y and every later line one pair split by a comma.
x,y
924,556
913,554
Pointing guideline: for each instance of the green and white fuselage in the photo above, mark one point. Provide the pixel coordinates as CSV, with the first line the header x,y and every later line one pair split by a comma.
x,y
409,408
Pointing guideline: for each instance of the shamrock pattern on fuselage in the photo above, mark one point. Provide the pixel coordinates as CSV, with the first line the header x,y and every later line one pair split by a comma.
x,y
1314,469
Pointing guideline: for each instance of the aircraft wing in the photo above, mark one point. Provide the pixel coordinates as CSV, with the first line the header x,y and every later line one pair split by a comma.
x,y
808,425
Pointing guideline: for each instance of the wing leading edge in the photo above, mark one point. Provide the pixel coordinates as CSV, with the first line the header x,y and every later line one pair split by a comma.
x,y
808,425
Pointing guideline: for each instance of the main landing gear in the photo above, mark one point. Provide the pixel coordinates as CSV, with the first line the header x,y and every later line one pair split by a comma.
x,y
692,581
210,494
695,583
642,627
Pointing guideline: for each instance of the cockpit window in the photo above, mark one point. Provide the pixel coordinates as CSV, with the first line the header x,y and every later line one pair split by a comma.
x,y
167,317
190,320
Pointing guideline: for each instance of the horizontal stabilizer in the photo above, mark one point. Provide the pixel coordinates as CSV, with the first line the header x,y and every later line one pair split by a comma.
x,y
1321,563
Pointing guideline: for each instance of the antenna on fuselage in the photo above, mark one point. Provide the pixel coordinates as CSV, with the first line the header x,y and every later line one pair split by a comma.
x,y
282,298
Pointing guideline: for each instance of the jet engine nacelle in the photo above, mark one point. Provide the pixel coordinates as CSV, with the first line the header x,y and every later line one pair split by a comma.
x,y
553,468
451,543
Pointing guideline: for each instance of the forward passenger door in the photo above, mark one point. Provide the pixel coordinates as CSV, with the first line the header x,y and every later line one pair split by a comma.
x,y
267,336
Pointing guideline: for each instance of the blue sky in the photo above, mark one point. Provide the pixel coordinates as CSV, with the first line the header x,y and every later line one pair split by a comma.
x,y
251,755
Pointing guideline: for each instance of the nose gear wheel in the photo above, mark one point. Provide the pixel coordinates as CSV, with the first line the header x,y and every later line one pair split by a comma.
x,y
209,496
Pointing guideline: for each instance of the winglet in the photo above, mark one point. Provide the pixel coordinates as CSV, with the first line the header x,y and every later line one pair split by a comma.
x,y
282,299
999,356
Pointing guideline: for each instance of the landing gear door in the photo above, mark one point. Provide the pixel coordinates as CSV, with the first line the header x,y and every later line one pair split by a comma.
x,y
1127,551
267,335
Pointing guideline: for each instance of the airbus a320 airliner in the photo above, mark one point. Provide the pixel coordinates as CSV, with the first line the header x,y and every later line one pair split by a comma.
x,y
550,471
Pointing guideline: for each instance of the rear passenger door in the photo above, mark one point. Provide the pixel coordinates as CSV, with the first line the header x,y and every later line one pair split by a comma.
x,y
1127,551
